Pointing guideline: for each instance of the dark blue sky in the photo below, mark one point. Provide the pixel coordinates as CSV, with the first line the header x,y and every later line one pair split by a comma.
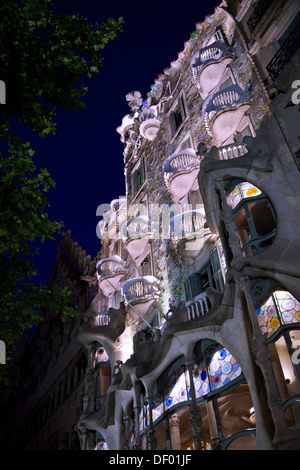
x,y
85,157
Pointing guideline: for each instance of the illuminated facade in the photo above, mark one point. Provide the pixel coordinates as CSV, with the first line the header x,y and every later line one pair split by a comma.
x,y
192,339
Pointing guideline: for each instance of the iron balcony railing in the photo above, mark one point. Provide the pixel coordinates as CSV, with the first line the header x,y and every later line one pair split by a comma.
x,y
290,46
258,13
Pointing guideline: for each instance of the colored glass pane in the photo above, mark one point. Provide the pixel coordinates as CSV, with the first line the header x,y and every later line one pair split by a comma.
x,y
101,446
242,191
217,369
222,367
280,309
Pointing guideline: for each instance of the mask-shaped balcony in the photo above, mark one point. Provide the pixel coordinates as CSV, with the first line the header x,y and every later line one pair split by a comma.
x,y
103,327
208,66
189,233
180,173
110,271
112,219
149,123
225,110
136,234
139,294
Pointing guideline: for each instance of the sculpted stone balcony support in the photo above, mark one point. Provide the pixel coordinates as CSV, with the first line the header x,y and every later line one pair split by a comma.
x,y
139,294
180,173
136,234
224,112
105,328
110,271
208,66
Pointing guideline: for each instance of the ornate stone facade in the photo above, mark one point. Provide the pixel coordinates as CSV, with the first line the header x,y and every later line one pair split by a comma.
x,y
207,357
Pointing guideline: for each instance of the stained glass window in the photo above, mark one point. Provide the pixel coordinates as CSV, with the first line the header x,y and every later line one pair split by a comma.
x,y
101,446
218,368
280,309
242,191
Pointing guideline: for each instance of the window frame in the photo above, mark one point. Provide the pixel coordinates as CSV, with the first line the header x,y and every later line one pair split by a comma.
x,y
140,167
178,107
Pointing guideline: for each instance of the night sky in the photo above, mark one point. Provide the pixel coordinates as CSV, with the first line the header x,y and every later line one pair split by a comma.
x,y
85,156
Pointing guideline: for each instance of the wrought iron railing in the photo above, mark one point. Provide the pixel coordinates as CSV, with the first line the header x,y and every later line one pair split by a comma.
x,y
258,13
290,46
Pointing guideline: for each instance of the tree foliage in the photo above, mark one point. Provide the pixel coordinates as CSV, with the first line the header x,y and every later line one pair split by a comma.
x,y
46,58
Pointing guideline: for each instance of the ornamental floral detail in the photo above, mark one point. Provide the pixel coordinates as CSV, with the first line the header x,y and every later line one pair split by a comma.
x,y
135,100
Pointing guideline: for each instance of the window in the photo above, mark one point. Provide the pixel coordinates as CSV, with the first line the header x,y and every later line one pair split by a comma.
x,y
254,218
177,116
239,135
146,267
138,177
209,276
227,83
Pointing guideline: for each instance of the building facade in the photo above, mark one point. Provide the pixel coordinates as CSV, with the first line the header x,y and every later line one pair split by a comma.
x,y
191,341
41,406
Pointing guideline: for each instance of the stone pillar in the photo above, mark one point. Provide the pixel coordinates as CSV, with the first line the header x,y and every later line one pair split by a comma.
x,y
283,436
214,437
175,432
126,432
196,420
151,440
137,410
136,413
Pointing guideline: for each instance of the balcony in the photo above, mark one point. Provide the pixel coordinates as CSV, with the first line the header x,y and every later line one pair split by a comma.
x,y
180,173
105,328
139,294
109,225
234,150
110,271
225,111
288,49
198,306
149,123
136,234
258,14
208,66
189,233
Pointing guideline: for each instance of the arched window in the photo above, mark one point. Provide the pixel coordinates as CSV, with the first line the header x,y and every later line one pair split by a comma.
x,y
254,216
221,394
102,376
278,315
281,309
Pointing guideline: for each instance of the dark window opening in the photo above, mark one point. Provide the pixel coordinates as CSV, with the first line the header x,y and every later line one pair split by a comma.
x,y
256,225
177,116
139,177
209,276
